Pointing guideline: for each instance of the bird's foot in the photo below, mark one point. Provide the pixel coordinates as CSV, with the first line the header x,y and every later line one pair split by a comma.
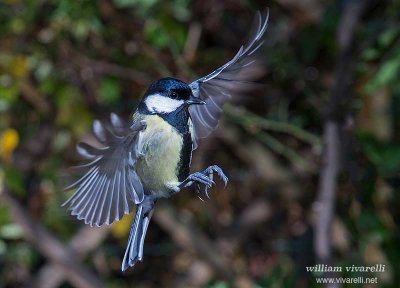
x,y
214,168
204,180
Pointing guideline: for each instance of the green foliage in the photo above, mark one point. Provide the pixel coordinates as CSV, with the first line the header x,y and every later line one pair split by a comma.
x,y
110,90
143,5
387,74
10,232
281,276
384,51
14,179
385,156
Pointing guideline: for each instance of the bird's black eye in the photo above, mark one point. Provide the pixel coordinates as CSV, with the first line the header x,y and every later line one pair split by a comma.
x,y
174,95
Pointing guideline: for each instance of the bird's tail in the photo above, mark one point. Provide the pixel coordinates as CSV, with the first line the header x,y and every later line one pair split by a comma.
x,y
134,249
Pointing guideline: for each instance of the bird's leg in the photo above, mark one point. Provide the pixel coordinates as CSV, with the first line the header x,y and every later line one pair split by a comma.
x,y
204,178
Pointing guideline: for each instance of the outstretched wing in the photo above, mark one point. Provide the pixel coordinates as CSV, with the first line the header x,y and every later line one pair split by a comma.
x,y
110,186
233,78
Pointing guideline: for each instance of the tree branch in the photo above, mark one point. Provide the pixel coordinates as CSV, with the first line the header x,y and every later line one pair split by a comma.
x,y
49,246
338,114
87,239
191,239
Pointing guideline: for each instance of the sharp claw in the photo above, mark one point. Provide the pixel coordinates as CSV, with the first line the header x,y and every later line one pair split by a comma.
x,y
209,185
225,179
210,171
210,181
206,178
206,192
197,188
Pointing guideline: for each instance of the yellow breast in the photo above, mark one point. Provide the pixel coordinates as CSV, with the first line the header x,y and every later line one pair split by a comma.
x,y
160,145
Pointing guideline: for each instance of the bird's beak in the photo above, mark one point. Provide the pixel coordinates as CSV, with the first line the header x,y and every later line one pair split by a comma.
x,y
195,101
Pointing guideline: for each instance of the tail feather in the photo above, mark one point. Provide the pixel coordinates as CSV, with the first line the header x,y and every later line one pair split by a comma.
x,y
134,249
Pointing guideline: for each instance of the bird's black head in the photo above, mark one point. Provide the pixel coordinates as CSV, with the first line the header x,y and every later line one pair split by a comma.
x,y
168,95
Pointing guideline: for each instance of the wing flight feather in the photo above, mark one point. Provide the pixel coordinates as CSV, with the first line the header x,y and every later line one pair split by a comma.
x,y
110,186
234,77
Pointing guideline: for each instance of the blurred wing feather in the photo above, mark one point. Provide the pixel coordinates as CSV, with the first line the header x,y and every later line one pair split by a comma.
x,y
110,186
235,77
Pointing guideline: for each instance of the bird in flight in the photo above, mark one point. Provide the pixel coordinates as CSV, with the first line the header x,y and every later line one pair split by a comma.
x,y
150,158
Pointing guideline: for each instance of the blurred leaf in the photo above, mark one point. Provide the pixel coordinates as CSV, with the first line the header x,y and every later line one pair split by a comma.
x,y
43,69
9,140
143,7
181,9
17,25
14,179
154,34
62,140
386,156
388,36
81,28
77,18
110,90
11,231
120,229
5,217
219,284
19,66
21,253
3,247
282,275
72,113
370,54
9,91
387,73
131,3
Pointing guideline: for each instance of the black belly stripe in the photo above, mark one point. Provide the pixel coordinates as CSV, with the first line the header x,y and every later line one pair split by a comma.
x,y
183,168
179,120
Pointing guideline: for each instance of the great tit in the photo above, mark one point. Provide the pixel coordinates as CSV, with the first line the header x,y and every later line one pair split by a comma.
x,y
150,158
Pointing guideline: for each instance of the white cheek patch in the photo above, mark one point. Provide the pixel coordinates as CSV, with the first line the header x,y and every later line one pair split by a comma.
x,y
159,104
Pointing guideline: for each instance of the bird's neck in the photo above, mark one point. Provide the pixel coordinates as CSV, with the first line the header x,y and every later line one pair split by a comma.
x,y
178,119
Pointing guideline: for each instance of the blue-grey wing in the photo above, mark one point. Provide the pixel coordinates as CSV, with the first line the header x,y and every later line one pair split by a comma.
x,y
110,186
233,78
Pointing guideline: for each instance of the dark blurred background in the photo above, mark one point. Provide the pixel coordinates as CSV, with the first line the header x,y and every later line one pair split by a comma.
x,y
313,158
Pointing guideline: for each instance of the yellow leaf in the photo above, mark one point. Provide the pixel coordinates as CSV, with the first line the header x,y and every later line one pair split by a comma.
x,y
19,67
121,228
9,140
